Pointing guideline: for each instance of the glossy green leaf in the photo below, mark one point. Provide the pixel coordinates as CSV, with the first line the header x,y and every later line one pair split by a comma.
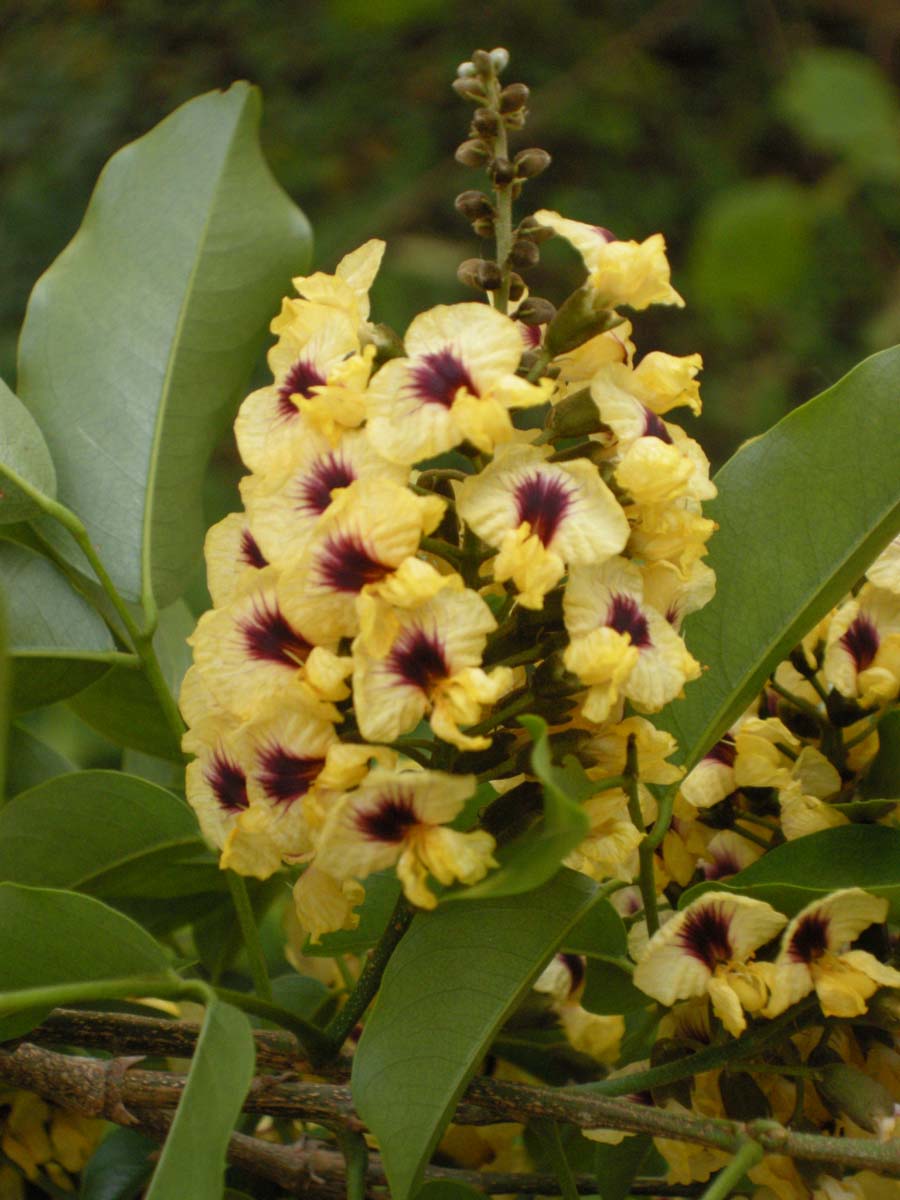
x,y
802,511
24,461
608,988
796,873
616,1166
134,838
5,681
300,994
120,1167
883,776
50,937
57,642
601,931
448,988
382,893
122,705
532,859
141,335
842,102
30,761
192,1162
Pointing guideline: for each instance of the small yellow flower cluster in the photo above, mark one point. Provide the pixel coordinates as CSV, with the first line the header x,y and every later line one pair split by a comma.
x,y
42,1143
375,612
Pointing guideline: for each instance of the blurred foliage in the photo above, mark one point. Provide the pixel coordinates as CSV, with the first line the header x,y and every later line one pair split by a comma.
x,y
761,136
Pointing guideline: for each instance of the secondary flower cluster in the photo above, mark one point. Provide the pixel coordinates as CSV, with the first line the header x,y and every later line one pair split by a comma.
x,y
416,564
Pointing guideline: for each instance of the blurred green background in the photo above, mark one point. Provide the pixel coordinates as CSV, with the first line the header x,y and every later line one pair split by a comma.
x,y
762,137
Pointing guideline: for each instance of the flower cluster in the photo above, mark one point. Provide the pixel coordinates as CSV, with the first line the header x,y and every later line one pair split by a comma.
x,y
416,564
42,1144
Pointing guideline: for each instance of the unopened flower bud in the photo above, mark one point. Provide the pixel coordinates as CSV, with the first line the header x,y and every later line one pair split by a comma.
x,y
535,311
502,171
480,273
470,87
517,287
514,96
884,1010
483,64
500,58
473,153
472,205
842,710
742,1097
485,122
845,1090
529,163
576,321
524,254
575,416
466,70
515,120
483,227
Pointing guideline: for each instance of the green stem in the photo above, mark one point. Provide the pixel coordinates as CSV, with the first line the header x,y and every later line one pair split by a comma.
x,y
356,1158
747,1156
310,1037
346,1019
441,549
752,837
548,1131
665,808
503,203
647,878
797,702
256,959
514,709
607,785
55,995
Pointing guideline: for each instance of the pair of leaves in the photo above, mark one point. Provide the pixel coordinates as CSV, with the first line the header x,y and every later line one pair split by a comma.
x,y
54,938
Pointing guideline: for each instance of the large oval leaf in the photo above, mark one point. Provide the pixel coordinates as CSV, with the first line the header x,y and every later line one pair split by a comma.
x,y
30,761
192,1162
796,873
24,460
140,335
57,642
134,838
447,989
51,937
802,511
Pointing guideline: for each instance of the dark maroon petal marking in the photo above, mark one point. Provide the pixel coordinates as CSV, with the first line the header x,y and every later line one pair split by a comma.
x,y
417,658
542,500
655,426
227,782
269,637
721,865
724,751
574,963
313,491
531,335
704,935
625,616
285,777
250,552
345,565
810,939
861,641
437,377
390,819
299,381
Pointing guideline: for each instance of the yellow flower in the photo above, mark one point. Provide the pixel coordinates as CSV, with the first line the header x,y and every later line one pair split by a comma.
x,y
233,558
862,656
619,643
632,273
284,507
398,817
429,662
653,471
347,290
676,532
764,746
216,782
704,948
713,777
542,517
812,956
579,366
803,810
885,570
727,853
457,384
608,850
365,543
324,904
595,1034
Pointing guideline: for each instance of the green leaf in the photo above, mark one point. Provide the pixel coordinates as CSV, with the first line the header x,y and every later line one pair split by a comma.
x,y
119,1168
24,460
842,102
535,857
601,931
50,937
608,988
122,705
192,1162
5,680
883,776
802,512
382,893
445,1189
300,994
134,838
752,245
796,873
140,336
617,1166
448,988
30,761
57,642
